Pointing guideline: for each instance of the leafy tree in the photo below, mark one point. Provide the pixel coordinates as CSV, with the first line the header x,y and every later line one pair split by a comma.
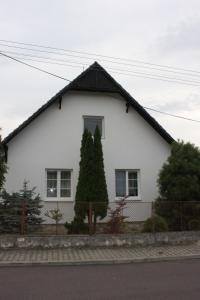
x,y
3,168
179,178
100,187
179,186
20,209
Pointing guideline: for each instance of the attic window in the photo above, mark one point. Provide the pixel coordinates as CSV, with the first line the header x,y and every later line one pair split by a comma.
x,y
91,122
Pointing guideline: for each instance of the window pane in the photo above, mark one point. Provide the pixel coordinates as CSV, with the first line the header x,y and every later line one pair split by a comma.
x,y
65,193
65,174
133,192
65,184
91,123
132,184
51,188
51,183
132,175
51,174
52,192
120,177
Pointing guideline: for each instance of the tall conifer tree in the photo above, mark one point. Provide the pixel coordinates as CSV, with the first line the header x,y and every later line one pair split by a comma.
x,y
100,187
84,191
91,187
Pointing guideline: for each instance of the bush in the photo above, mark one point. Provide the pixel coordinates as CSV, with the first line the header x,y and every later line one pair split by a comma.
x,y
20,212
178,214
77,226
194,224
155,224
116,218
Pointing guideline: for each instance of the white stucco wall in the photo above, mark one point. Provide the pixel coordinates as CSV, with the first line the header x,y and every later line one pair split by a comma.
x,y
53,140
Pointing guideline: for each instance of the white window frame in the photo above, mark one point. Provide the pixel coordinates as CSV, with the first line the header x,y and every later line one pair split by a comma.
x,y
138,197
96,117
58,198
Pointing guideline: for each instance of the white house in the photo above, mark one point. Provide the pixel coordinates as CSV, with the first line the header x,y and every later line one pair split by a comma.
x,y
45,149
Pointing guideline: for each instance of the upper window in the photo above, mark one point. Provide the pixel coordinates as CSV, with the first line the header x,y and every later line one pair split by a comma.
x,y
127,183
90,123
58,183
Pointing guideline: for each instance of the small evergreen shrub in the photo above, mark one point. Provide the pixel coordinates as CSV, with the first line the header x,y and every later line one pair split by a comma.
x,y
155,224
77,226
22,208
194,224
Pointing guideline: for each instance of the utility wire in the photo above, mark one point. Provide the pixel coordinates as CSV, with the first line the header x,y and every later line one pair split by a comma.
x,y
33,67
100,55
50,62
171,115
148,108
45,57
121,71
104,60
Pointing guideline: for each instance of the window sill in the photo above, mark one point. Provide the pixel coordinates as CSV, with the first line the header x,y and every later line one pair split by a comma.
x,y
129,198
58,200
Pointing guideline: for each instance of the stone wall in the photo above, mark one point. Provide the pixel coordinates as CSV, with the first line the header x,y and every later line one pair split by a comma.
x,y
100,240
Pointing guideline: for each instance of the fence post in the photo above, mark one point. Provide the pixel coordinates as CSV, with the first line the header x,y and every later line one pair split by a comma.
x,y
153,214
181,217
90,219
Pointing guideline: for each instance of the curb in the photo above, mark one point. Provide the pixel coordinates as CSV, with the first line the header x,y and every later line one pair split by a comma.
x,y
98,262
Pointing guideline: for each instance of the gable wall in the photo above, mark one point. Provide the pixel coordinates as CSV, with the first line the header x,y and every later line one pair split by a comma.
x,y
53,141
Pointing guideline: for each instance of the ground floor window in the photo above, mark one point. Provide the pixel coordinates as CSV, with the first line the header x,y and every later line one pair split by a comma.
x,y
58,183
127,183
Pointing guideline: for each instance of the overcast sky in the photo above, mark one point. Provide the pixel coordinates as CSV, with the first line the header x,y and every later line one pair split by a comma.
x,y
164,32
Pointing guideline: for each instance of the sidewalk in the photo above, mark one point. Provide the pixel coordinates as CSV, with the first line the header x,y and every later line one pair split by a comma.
x,y
97,255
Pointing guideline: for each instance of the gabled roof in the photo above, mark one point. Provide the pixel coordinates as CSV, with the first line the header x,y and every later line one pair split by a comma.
x,y
95,79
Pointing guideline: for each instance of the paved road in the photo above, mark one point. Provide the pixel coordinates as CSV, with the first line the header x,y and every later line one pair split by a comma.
x,y
163,280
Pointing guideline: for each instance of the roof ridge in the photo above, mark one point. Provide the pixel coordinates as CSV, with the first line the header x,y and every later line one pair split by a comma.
x,y
75,85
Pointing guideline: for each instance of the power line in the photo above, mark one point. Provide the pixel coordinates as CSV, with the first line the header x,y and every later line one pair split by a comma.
x,y
49,62
108,61
33,67
157,75
111,71
100,55
44,57
155,78
121,71
148,108
171,115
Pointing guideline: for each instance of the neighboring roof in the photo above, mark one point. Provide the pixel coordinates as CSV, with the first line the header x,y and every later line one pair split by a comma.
x,y
95,79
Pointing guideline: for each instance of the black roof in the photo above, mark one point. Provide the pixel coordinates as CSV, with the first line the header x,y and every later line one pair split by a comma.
x,y
95,79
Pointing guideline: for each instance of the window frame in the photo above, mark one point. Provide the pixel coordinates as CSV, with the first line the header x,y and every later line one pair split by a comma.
x,y
138,197
95,117
58,197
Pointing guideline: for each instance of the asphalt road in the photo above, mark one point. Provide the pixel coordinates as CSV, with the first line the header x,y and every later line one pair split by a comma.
x,y
163,280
